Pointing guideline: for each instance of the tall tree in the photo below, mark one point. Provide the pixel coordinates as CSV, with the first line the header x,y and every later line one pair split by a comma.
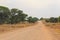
x,y
4,14
17,16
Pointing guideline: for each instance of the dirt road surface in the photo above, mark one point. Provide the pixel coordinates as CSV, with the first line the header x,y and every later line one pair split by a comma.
x,y
36,32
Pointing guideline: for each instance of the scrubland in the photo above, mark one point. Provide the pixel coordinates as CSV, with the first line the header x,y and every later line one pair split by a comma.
x,y
10,27
55,28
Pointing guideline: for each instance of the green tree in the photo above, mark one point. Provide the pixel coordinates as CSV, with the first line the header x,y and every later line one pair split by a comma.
x,y
32,19
13,18
47,20
35,19
17,16
4,14
14,15
41,18
29,19
53,20
59,19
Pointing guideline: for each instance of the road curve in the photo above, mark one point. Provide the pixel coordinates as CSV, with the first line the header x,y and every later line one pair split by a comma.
x,y
36,32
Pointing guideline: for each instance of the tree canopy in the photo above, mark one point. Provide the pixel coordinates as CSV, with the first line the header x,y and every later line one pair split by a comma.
x,y
53,19
14,15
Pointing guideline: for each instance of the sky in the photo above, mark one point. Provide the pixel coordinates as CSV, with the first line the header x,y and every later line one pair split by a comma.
x,y
35,8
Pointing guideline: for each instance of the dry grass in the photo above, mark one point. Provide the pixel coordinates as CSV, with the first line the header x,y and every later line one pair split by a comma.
x,y
53,25
55,28
9,27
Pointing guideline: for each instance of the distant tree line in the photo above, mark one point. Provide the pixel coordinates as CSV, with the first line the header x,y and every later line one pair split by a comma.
x,y
14,15
52,19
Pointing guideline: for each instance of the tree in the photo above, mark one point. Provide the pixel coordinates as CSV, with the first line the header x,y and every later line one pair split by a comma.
x,y
41,18
17,16
23,17
32,20
14,13
47,20
59,19
56,20
35,19
29,19
4,14
53,20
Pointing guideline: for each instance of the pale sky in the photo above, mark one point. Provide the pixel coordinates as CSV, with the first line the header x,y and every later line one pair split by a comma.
x,y
38,8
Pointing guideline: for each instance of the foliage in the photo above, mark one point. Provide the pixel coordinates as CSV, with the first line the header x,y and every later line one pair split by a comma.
x,y
53,19
41,18
4,14
32,20
13,16
59,19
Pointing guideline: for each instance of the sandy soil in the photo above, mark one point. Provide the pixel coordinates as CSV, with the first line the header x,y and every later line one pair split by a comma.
x,y
36,32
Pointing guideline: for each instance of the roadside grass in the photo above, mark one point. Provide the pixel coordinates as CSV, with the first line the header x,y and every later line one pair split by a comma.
x,y
9,27
54,28
53,25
